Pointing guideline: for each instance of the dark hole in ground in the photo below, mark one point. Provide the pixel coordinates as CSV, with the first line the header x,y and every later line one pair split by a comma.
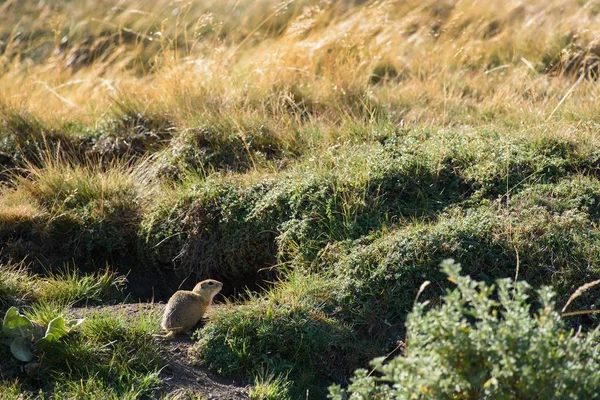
x,y
144,286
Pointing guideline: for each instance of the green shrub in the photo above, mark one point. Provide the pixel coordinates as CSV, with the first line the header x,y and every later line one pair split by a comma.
x,y
485,342
205,231
288,332
575,193
235,228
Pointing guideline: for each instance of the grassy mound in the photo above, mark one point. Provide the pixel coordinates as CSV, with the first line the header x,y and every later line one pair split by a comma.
x,y
60,213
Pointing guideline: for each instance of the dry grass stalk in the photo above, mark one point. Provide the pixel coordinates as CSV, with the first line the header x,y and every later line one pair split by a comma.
x,y
580,290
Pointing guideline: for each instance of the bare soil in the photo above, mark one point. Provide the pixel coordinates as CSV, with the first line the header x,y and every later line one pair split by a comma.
x,y
182,377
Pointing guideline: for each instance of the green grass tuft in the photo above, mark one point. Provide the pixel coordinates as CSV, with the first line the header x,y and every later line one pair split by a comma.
x,y
269,387
74,288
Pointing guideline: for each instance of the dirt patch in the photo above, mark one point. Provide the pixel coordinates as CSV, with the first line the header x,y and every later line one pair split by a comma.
x,y
182,378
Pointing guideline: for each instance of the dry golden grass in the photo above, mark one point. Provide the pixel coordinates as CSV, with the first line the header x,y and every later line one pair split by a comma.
x,y
16,207
307,63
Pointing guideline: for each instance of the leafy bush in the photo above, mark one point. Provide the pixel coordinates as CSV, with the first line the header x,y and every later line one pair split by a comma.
x,y
485,342
25,336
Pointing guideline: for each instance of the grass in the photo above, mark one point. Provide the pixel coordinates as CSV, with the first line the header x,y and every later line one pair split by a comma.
x,y
108,356
328,155
288,332
71,287
270,388
64,288
86,214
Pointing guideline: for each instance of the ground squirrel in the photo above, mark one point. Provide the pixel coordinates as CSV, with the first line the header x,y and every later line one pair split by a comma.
x,y
185,308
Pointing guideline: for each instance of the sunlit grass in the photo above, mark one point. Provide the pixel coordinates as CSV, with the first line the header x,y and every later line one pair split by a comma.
x,y
339,148
299,62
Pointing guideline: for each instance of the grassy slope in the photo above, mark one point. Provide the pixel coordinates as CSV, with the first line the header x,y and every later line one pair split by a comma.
x,y
353,146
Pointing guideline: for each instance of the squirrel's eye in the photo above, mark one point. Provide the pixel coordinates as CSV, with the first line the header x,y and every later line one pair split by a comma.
x,y
210,283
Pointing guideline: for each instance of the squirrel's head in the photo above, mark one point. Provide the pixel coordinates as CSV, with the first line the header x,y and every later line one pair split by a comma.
x,y
208,287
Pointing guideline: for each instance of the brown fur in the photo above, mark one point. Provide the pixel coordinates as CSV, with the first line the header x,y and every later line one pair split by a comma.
x,y
185,308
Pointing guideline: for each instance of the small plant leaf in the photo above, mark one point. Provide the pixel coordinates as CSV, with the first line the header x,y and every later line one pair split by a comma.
x,y
74,323
16,325
56,329
20,349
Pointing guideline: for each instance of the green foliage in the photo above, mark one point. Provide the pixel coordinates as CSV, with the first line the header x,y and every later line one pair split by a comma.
x,y
379,275
65,287
269,387
11,390
280,338
210,234
70,286
485,342
236,229
287,333
233,227
25,336
109,354
93,388
223,144
80,213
